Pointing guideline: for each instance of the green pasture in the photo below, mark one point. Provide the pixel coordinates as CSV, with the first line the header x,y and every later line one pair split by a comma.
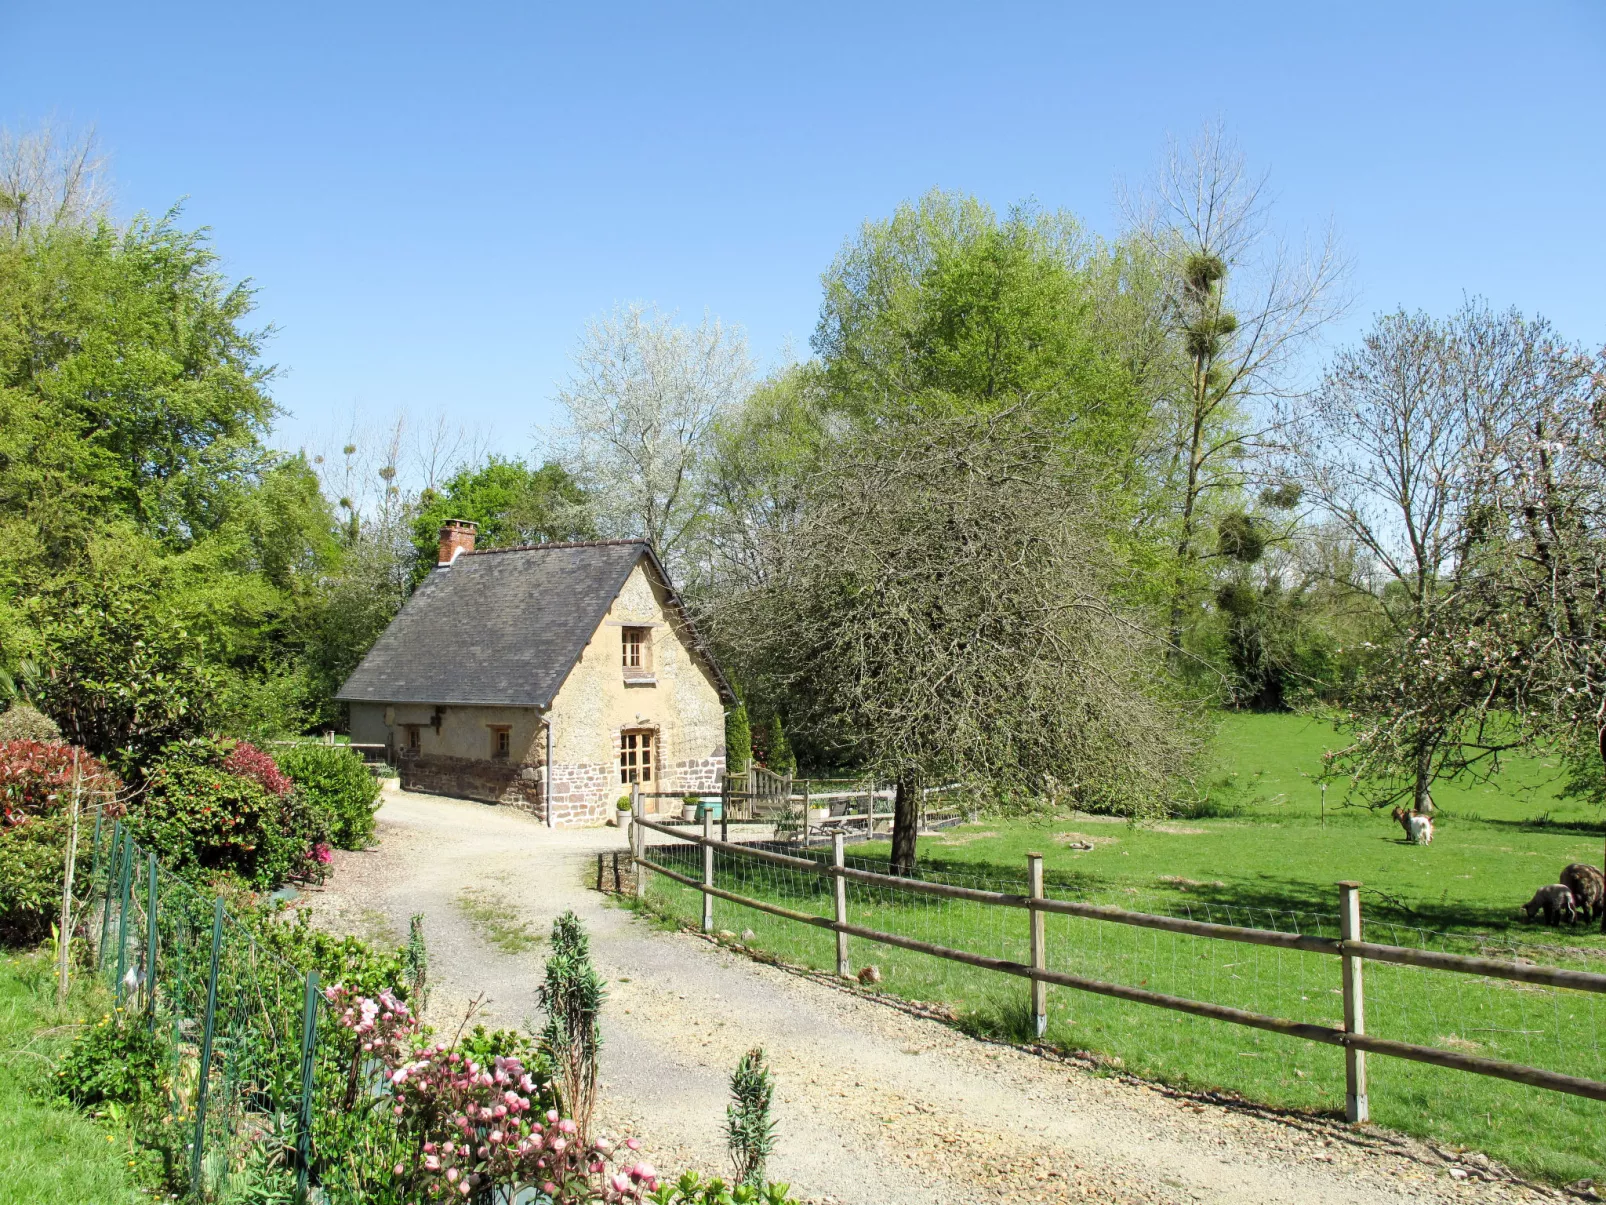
x,y
48,1150
1265,859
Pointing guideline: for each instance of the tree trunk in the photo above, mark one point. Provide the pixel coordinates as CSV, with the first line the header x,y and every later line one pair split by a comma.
x,y
905,823
1424,783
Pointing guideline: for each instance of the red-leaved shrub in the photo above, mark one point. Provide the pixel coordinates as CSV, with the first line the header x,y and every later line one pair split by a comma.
x,y
245,760
36,783
36,779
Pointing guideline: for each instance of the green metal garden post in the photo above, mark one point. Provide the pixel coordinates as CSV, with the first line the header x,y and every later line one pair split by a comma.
x,y
124,898
150,943
309,1050
106,908
207,1033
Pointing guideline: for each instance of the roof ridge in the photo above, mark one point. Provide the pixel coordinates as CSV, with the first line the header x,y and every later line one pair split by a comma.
x,y
558,544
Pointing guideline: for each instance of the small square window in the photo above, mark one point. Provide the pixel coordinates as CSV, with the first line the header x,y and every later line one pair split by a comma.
x,y
501,742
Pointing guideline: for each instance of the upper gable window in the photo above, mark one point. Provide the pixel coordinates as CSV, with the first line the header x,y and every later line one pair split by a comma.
x,y
636,652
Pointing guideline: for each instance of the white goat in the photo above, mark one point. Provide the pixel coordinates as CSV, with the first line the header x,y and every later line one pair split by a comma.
x,y
1419,829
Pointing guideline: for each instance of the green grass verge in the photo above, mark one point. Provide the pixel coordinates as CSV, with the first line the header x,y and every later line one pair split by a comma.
x,y
497,922
1270,863
48,1150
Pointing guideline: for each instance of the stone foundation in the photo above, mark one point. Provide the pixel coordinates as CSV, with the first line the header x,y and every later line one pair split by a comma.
x,y
581,794
485,779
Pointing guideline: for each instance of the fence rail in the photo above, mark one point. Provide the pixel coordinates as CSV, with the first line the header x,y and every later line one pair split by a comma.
x,y
1349,948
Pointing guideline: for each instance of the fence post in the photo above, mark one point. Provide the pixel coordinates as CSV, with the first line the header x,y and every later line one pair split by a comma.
x,y
805,813
840,887
637,840
309,1049
106,908
150,942
724,806
124,889
1034,878
208,1031
708,870
1356,1108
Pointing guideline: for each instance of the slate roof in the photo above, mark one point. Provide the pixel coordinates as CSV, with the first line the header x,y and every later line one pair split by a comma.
x,y
503,627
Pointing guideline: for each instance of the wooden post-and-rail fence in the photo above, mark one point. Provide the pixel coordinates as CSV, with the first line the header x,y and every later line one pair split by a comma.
x,y
1352,951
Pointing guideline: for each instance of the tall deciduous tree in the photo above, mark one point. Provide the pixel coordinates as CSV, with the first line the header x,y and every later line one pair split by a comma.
x,y
641,405
939,613
1240,307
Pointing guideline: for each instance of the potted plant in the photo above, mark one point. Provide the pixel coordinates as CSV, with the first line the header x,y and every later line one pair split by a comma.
x,y
688,808
621,811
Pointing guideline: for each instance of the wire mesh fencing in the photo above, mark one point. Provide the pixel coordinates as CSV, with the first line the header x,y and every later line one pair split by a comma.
x,y
1481,1016
239,1025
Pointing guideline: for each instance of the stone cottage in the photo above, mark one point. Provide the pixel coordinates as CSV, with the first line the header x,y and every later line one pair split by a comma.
x,y
550,677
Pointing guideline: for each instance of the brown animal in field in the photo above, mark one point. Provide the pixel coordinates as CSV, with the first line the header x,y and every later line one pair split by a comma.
x,y
1556,902
1588,888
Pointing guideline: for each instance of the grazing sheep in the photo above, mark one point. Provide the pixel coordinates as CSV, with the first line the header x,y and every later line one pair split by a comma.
x,y
1418,828
1556,902
1588,888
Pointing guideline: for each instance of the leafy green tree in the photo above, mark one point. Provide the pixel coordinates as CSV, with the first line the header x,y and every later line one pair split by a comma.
x,y
510,502
944,299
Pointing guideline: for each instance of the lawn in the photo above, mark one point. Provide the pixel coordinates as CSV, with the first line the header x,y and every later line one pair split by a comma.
x,y
49,1151
1270,861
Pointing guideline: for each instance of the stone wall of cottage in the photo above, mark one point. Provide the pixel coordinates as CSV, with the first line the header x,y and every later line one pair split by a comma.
x,y
597,705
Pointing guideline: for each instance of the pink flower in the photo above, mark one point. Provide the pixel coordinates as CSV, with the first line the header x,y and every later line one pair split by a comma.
x,y
558,1144
633,1143
567,1126
620,1182
451,1174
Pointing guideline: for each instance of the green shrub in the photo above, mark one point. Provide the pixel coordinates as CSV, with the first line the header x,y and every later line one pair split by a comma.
x,y
338,788
118,1060
201,820
738,740
23,723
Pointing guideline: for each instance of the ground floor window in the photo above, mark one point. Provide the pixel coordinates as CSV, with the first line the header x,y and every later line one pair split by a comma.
x,y
412,738
501,741
635,756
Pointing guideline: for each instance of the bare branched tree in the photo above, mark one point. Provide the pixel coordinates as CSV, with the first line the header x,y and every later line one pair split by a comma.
x,y
49,179
641,405
939,612
1416,442
1241,305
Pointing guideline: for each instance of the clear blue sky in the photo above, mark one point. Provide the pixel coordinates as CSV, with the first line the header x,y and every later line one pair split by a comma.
x,y
433,198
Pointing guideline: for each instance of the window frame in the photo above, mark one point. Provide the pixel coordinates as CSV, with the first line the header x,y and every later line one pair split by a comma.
x,y
635,652
638,755
501,741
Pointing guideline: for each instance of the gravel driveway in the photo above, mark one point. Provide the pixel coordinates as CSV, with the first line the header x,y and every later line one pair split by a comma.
x,y
876,1106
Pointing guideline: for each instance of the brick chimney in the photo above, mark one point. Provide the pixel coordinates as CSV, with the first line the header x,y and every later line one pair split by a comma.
x,y
457,536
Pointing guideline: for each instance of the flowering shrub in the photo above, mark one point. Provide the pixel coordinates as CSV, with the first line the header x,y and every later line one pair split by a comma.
x,y
245,760
204,819
471,1126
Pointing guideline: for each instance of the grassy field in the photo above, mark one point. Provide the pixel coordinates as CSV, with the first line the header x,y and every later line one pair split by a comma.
x,y
48,1151
1265,859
